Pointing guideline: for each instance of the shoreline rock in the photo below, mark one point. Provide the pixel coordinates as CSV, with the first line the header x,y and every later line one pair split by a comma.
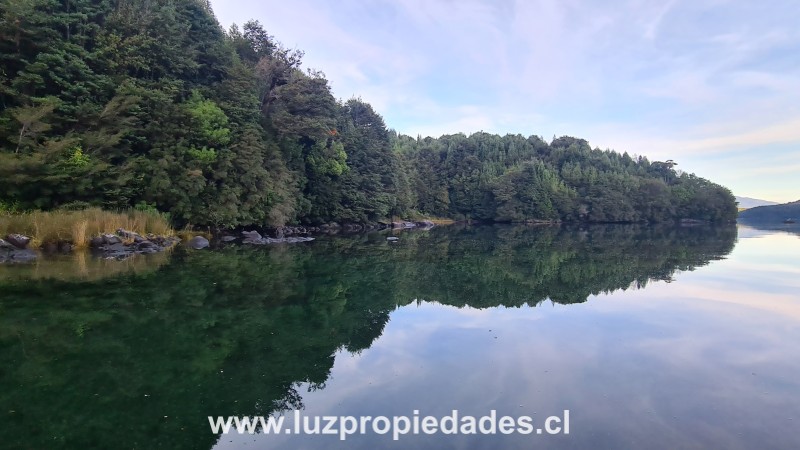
x,y
18,240
15,254
198,243
123,244
110,246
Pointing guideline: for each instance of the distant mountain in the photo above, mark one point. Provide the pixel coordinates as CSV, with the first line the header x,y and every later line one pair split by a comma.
x,y
747,202
771,214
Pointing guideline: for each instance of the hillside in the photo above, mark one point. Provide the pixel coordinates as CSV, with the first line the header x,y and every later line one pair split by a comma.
x,y
747,202
772,214
153,105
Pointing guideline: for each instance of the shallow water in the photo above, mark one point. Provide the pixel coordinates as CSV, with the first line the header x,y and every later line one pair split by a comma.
x,y
654,337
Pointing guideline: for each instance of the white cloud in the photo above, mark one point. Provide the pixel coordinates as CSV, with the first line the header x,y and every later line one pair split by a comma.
x,y
652,27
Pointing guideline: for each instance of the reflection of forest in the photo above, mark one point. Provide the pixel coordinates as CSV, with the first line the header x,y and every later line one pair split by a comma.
x,y
140,360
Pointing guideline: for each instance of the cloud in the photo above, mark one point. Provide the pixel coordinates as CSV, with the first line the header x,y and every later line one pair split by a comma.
x,y
652,27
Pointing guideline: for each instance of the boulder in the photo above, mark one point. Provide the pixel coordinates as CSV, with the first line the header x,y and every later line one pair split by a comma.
x,y
7,245
198,243
118,247
110,239
119,250
392,239
164,241
148,244
253,237
18,240
125,234
228,238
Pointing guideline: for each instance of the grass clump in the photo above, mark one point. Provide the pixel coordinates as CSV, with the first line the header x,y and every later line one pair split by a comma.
x,y
79,227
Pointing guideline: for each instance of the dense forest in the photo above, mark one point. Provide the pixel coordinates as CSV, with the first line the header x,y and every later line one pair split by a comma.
x,y
772,214
152,105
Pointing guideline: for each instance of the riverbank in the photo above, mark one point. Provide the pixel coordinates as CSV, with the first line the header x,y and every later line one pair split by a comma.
x,y
120,235
77,228
115,234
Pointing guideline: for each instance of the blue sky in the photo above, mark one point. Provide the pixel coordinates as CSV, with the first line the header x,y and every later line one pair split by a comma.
x,y
712,84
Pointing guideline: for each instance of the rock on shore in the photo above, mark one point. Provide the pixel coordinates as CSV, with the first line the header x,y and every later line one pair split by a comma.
x,y
198,243
14,249
112,246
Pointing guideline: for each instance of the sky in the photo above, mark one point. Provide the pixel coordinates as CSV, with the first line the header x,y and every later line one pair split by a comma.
x,y
711,84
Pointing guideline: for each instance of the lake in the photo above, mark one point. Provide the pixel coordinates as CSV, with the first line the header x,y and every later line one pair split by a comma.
x,y
650,336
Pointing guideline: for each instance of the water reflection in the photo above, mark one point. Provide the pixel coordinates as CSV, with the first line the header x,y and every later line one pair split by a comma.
x,y
140,360
81,266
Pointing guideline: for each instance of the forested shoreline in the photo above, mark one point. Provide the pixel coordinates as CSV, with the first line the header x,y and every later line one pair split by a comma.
x,y
772,214
152,105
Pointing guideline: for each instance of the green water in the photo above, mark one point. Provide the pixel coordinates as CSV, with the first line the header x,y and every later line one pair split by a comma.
x,y
652,337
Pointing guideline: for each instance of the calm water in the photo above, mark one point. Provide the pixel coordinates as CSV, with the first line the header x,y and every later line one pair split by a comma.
x,y
651,337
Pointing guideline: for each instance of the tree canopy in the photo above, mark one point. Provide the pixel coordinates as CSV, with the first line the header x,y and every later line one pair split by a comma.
x,y
118,104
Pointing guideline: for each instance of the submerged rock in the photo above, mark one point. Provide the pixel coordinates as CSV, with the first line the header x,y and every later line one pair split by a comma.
x,y
252,237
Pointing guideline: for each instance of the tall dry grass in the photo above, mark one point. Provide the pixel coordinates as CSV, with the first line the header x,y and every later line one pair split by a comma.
x,y
79,227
